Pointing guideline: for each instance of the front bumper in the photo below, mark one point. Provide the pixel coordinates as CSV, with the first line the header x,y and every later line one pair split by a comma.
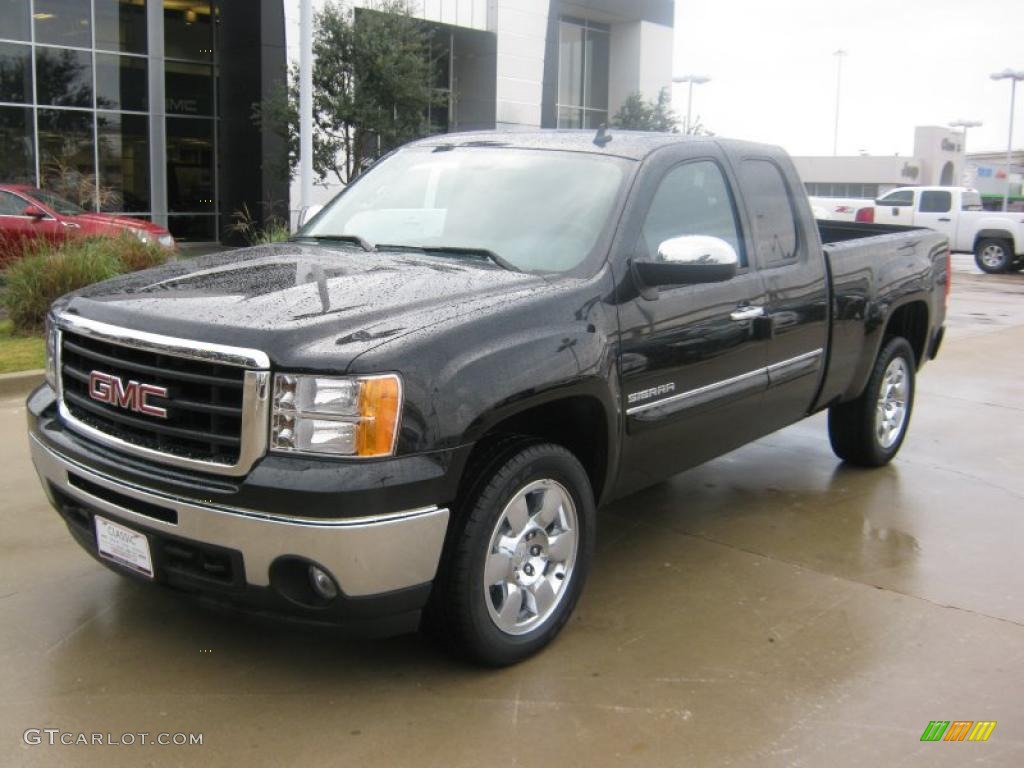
x,y
383,564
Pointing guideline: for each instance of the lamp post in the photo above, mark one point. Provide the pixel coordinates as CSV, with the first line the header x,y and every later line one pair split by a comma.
x,y
692,80
305,104
1014,76
965,124
840,54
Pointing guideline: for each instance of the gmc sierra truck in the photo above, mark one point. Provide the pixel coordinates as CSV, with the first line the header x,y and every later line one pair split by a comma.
x,y
407,415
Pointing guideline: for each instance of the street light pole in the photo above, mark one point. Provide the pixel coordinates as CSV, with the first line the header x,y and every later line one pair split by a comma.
x,y
692,80
1014,76
305,104
839,80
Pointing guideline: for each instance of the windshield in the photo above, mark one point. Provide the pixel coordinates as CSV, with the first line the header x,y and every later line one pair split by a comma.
x,y
534,210
59,204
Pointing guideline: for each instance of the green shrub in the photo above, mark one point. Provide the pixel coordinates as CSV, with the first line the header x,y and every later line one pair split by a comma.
x,y
48,271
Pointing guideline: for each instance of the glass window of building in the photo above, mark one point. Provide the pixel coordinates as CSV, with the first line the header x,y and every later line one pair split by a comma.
x,y
17,137
15,73
63,22
66,155
188,30
15,17
121,82
121,25
189,89
190,176
123,146
583,60
63,77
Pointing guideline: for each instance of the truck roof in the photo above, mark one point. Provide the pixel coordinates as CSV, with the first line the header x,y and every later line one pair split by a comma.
x,y
634,145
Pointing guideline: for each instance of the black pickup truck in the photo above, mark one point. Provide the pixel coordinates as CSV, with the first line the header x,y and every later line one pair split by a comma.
x,y
407,415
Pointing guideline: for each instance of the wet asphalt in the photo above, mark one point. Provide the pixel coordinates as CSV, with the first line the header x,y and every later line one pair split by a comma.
x,y
771,608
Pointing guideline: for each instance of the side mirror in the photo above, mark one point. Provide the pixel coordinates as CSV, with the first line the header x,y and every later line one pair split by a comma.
x,y
690,259
34,213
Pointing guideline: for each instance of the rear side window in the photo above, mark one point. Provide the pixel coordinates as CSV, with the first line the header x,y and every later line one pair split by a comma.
x,y
898,199
693,199
771,211
936,201
11,205
971,202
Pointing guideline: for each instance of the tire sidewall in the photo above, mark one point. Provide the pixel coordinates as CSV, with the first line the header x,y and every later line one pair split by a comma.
x,y
546,462
1007,256
894,348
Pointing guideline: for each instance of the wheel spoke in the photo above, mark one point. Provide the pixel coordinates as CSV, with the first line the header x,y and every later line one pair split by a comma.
x,y
518,515
550,506
511,607
543,596
498,568
561,547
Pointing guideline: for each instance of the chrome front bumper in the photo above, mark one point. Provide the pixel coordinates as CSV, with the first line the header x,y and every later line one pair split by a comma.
x,y
367,556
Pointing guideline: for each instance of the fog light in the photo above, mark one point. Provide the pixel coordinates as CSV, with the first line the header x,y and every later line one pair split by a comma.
x,y
322,583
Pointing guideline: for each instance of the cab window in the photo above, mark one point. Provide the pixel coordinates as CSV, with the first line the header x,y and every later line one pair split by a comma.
x,y
773,218
902,198
936,201
693,199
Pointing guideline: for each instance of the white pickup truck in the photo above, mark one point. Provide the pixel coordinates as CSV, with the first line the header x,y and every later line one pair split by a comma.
x,y
996,239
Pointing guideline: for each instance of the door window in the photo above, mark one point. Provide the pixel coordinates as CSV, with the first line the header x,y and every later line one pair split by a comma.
x,y
898,199
11,205
693,199
771,212
936,201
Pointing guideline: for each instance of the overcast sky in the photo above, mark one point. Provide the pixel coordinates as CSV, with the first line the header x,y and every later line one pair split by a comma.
x,y
910,62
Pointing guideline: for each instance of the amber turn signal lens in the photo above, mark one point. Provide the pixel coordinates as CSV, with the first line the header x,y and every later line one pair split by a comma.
x,y
380,399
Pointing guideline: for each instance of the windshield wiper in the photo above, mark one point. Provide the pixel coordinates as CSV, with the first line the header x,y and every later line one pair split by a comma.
x,y
456,250
362,242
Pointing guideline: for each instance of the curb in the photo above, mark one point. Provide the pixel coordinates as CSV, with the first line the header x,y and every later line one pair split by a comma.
x,y
21,383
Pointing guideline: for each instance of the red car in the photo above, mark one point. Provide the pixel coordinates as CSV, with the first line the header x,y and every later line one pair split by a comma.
x,y
27,213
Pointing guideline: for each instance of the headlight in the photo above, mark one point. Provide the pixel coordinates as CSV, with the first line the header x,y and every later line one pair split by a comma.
x,y
346,416
167,241
51,352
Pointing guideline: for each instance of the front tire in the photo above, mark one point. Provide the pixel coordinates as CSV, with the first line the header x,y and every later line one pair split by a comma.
x,y
870,430
516,567
993,256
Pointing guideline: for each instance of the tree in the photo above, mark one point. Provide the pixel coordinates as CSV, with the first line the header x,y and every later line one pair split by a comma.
x,y
372,88
638,114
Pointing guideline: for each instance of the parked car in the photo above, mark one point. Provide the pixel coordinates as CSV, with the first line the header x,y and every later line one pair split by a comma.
x,y
412,410
28,214
996,239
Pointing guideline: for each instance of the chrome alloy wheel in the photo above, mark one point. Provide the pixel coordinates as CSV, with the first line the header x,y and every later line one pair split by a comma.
x,y
891,409
993,256
531,557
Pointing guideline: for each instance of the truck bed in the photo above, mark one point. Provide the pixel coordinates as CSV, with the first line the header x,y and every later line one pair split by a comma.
x,y
872,267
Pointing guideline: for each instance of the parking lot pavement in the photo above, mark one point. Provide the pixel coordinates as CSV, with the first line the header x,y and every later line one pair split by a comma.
x,y
770,608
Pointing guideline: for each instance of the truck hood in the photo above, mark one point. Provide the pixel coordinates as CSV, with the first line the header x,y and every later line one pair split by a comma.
x,y
310,307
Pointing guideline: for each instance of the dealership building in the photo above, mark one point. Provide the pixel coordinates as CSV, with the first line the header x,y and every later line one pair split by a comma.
x,y
144,107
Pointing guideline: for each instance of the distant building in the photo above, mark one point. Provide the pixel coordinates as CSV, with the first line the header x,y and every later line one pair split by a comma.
x,y
536,63
938,159
986,172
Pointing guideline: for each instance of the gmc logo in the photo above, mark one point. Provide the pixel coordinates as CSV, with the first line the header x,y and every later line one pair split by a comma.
x,y
133,396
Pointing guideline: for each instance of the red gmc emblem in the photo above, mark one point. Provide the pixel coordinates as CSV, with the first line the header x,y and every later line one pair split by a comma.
x,y
133,396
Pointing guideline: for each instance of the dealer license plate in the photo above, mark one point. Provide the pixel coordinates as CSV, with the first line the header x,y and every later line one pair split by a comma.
x,y
124,546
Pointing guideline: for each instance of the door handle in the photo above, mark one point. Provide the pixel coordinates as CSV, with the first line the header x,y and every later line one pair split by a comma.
x,y
945,218
747,313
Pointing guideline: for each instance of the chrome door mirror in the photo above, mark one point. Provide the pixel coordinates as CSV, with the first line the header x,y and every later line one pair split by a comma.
x,y
690,259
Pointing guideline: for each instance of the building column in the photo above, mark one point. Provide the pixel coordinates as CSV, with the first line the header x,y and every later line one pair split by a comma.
x,y
157,110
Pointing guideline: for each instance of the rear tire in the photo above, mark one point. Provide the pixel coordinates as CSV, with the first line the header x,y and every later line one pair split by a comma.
x,y
869,431
516,564
993,255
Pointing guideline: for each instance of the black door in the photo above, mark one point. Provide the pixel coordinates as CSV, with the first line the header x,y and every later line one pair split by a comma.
x,y
792,268
691,360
